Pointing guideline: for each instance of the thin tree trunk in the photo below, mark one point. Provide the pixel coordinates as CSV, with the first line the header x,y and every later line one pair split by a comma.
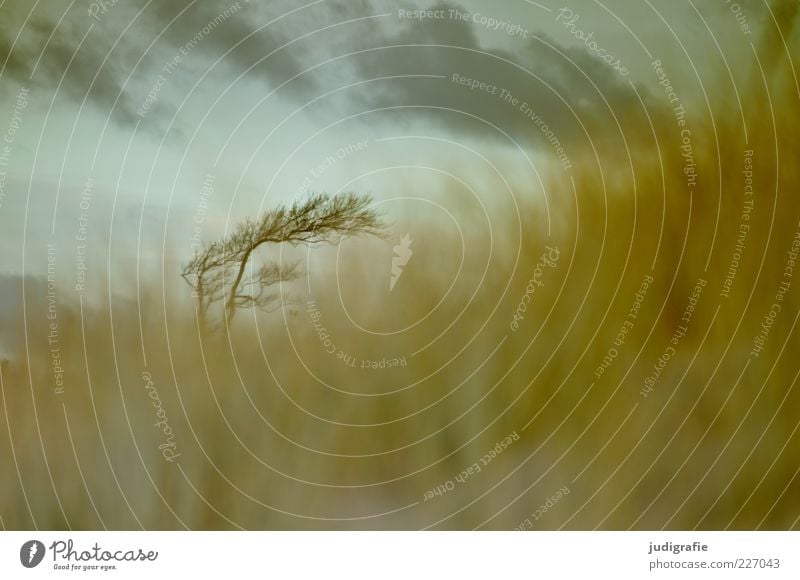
x,y
230,306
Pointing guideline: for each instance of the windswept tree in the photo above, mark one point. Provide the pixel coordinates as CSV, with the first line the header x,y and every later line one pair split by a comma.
x,y
225,271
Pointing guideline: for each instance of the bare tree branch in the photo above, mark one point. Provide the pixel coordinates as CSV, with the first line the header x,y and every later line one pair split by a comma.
x,y
222,270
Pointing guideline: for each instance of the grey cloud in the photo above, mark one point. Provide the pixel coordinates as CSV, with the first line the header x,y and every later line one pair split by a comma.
x,y
49,47
392,47
450,47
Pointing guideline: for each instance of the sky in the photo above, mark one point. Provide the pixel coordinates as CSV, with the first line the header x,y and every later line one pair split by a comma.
x,y
273,100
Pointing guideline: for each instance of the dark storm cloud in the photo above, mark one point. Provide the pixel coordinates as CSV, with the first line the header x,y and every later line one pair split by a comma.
x,y
59,39
527,68
538,72
560,84
77,40
45,51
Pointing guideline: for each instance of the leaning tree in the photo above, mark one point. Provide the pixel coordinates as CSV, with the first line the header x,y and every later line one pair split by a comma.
x,y
223,271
